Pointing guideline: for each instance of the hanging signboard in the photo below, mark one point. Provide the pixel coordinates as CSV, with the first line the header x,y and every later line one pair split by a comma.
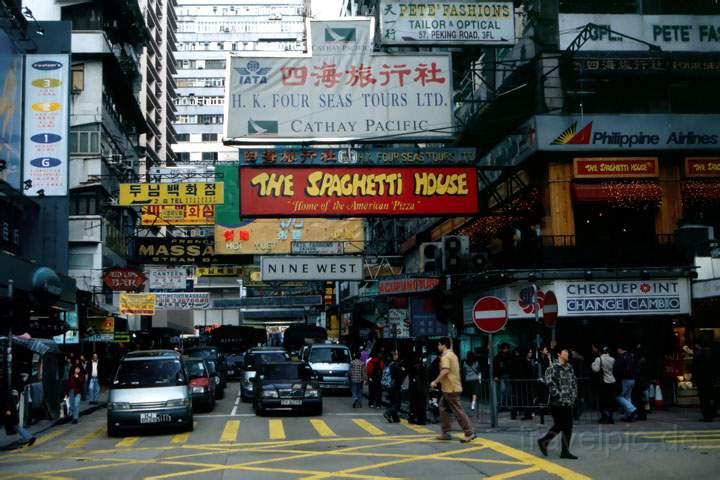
x,y
173,250
202,193
137,303
294,301
316,248
340,93
219,271
616,167
177,215
396,324
375,156
124,279
358,191
425,322
702,166
311,268
45,168
407,285
182,301
167,278
453,22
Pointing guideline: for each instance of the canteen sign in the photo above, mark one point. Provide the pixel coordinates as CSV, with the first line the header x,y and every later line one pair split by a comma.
x,y
612,298
45,171
424,22
332,98
358,191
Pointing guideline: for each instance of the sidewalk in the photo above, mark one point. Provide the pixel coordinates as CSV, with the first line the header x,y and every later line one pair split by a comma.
x,y
11,442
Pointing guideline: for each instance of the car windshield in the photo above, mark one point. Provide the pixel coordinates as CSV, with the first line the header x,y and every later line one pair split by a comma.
x,y
330,355
196,369
149,373
284,372
211,366
265,357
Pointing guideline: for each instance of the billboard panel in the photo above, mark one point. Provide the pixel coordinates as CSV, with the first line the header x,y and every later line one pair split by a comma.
x,y
174,215
201,193
173,250
358,191
11,74
374,156
311,268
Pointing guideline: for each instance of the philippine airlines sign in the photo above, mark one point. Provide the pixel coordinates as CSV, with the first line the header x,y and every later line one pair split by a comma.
x,y
340,93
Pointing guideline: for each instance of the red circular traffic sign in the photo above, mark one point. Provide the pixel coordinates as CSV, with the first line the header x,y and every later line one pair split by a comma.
x,y
550,309
490,314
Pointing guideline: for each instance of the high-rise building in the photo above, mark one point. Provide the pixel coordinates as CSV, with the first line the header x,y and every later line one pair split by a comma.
x,y
207,31
157,93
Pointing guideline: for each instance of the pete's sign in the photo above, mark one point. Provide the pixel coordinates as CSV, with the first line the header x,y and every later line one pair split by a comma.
x,y
358,191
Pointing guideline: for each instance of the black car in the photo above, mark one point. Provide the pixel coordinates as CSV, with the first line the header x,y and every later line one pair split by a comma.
x,y
252,360
286,386
214,355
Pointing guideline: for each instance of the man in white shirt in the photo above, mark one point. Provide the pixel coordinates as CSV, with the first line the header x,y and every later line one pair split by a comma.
x,y
604,365
93,373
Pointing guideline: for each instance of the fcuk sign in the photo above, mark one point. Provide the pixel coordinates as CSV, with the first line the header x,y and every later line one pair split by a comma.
x,y
311,268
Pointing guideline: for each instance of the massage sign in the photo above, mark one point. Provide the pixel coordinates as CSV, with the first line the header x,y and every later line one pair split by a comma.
x,y
358,191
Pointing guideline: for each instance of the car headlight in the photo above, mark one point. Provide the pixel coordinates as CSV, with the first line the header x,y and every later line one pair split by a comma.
x,y
119,406
270,393
178,402
198,389
217,380
311,393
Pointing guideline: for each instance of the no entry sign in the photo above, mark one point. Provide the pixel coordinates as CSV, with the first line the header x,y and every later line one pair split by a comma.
x,y
550,309
490,314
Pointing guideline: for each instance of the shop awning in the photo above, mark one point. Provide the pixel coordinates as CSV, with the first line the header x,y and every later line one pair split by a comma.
x,y
618,192
37,345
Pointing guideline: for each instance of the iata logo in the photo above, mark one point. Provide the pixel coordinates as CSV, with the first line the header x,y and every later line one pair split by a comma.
x,y
572,137
262,127
340,35
252,73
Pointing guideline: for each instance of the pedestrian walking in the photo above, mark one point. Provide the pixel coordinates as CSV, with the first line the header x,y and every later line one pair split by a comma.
x,y
625,375
358,378
502,375
704,376
395,372
11,419
449,380
364,355
375,367
74,392
521,375
85,365
93,372
473,377
562,384
604,365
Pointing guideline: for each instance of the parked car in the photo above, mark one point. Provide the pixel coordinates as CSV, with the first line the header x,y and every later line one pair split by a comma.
x,y
215,355
219,390
150,389
286,386
253,358
202,383
331,363
234,362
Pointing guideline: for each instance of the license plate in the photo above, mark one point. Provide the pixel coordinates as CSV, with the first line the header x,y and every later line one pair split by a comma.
x,y
231,372
155,418
290,402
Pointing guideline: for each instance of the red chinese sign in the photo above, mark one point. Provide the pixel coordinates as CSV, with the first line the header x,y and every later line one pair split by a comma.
x,y
357,191
616,167
408,285
702,166
125,279
331,75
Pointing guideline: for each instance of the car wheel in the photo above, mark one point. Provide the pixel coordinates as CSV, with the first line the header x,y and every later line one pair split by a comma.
x,y
113,431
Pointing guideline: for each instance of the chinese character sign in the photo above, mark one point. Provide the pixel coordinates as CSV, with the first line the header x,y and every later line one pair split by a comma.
x,y
174,215
202,193
351,95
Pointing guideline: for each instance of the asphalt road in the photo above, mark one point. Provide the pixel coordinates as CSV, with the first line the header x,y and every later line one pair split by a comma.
x,y
232,443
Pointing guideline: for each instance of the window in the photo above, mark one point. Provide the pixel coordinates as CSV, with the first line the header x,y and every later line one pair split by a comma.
x,y
80,260
209,137
183,156
215,64
209,156
182,137
78,77
84,142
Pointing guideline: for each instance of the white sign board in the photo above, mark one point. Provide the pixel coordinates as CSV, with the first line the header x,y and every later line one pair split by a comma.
x,y
167,278
45,165
455,22
397,323
622,298
351,95
182,301
672,33
311,268
316,248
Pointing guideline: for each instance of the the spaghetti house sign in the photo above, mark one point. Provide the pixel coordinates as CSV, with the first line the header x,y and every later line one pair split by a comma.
x,y
358,191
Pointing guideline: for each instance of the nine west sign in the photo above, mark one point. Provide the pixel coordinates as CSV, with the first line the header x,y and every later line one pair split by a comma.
x,y
312,268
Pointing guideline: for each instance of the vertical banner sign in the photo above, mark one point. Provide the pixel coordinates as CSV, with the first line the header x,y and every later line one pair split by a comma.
x,y
11,74
454,22
45,166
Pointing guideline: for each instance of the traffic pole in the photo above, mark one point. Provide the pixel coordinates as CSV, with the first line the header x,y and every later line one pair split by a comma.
x,y
493,387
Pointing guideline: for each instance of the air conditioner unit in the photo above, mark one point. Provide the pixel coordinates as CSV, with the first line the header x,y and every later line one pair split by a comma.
x,y
116,158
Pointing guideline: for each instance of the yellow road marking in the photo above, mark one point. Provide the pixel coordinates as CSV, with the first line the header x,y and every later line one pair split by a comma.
x,y
230,432
84,440
415,428
704,446
514,473
322,428
529,459
127,442
675,432
367,426
183,437
694,440
277,431
682,435
49,436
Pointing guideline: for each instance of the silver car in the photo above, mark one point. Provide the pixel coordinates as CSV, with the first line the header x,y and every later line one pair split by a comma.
x,y
150,389
331,364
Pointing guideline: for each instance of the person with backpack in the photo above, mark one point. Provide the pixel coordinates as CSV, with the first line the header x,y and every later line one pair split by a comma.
x,y
392,380
375,367
473,377
625,374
